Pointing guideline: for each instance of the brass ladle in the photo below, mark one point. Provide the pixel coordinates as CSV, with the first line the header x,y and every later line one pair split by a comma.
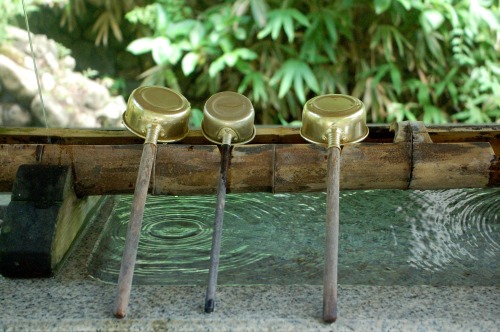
x,y
228,119
334,120
157,114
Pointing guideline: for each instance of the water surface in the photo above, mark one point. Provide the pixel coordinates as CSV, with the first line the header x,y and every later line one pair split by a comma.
x,y
387,237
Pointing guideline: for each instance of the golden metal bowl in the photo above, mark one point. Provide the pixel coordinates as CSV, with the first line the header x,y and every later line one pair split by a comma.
x,y
154,105
228,112
324,114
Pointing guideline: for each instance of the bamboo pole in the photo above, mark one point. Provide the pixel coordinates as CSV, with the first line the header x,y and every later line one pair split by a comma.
x,y
193,169
379,133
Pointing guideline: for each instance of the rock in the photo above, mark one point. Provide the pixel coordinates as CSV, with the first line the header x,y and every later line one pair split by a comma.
x,y
71,99
17,80
95,95
68,63
52,62
55,112
48,82
13,115
85,120
111,114
17,34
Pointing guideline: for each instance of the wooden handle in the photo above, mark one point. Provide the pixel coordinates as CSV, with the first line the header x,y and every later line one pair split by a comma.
x,y
217,234
133,231
332,236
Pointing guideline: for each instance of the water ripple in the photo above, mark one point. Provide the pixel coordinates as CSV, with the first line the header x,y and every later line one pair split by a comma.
x,y
176,237
453,226
387,237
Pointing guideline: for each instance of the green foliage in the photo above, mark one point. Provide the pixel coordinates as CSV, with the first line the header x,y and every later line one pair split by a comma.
x,y
11,9
430,60
109,16
435,61
283,18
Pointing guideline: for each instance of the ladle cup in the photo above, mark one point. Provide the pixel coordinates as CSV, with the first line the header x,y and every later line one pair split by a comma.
x,y
333,120
228,119
157,114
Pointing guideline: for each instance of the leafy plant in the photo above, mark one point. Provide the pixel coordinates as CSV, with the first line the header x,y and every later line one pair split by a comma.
x,y
430,60
109,15
12,9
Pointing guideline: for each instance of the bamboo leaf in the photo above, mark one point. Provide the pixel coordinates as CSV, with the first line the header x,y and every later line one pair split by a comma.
x,y
396,78
434,47
286,83
256,80
184,28
423,95
101,26
428,114
240,7
298,87
488,16
230,58
330,51
453,91
401,41
381,6
330,27
216,66
245,83
259,89
162,50
282,19
409,114
246,54
299,17
162,20
310,78
259,11
189,62
381,72
141,46
264,32
406,4
439,88
276,27
196,34
431,20
115,27
452,15
288,27
463,115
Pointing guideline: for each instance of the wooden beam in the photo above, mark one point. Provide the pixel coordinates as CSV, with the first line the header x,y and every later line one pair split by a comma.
x,y
265,135
278,160
467,165
192,169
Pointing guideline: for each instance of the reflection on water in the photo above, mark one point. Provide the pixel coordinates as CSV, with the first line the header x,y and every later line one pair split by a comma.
x,y
387,237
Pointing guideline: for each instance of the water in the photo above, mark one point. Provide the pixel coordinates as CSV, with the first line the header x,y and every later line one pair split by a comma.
x,y
387,237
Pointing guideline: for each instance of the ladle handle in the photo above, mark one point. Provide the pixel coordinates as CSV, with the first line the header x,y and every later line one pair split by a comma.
x,y
332,236
217,233
134,229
